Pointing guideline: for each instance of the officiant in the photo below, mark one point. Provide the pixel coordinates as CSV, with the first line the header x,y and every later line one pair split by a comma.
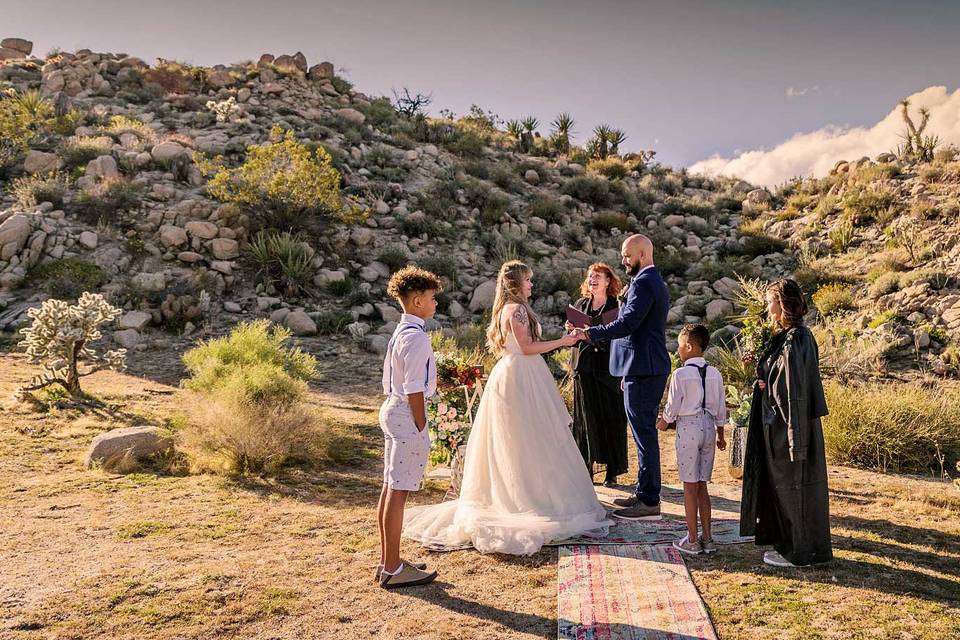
x,y
599,420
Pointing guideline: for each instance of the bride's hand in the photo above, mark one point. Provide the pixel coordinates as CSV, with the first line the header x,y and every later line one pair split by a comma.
x,y
569,340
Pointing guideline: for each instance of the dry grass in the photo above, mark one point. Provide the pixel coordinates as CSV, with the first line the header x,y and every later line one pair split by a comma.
x,y
87,554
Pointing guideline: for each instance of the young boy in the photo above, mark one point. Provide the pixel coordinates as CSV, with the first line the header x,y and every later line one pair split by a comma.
x,y
696,402
409,378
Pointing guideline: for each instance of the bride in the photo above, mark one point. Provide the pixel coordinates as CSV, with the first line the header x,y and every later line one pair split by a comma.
x,y
524,482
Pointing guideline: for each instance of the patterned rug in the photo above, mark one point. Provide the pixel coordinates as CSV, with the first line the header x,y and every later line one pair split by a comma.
x,y
658,532
629,592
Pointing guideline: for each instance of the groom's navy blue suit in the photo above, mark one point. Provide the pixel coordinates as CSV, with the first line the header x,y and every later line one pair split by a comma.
x,y
638,354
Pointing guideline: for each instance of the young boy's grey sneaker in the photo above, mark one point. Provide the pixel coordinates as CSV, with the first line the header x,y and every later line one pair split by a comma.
x,y
408,577
684,545
774,559
639,511
709,546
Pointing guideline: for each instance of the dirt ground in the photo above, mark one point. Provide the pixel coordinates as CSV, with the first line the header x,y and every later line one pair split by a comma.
x,y
89,554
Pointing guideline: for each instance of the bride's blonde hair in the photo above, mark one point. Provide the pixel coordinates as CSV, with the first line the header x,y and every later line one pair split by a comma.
x,y
509,290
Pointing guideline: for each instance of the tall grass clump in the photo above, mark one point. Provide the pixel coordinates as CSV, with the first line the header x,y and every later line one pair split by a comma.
x,y
892,427
247,413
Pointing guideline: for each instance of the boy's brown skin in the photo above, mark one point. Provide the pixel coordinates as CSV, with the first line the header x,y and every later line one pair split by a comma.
x,y
422,304
695,494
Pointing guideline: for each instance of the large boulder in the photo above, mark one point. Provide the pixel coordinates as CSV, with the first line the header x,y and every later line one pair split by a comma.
x,y
137,320
351,115
14,232
172,236
127,442
225,249
167,152
483,295
41,162
202,229
24,47
322,71
220,79
300,324
718,309
102,167
758,200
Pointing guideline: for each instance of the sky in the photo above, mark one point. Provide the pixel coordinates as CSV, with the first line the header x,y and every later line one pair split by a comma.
x,y
719,85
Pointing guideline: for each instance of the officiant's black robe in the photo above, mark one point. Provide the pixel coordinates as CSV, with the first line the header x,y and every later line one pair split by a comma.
x,y
599,420
785,501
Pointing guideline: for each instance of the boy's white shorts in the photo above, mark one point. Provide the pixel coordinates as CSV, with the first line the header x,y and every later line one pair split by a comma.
x,y
405,448
696,447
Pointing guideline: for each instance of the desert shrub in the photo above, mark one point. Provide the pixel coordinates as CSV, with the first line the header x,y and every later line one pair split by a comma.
x,y
443,266
10,155
671,263
727,202
77,151
825,206
736,369
549,281
283,261
340,288
466,143
892,427
882,171
609,221
173,77
841,236
67,278
546,208
333,322
756,241
611,167
32,190
727,267
885,283
590,189
59,338
105,201
504,175
882,318
394,257
120,125
25,118
281,180
506,247
380,113
846,356
833,298
924,209
863,205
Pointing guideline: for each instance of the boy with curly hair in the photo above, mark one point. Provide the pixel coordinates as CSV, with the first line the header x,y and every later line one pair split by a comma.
x,y
409,378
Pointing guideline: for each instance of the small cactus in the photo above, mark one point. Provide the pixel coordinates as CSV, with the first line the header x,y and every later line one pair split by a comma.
x,y
59,338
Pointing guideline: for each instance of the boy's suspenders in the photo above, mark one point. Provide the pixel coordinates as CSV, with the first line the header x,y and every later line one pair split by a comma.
x,y
405,328
703,383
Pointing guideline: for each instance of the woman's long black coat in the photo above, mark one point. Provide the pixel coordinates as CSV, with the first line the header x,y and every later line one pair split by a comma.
x,y
785,501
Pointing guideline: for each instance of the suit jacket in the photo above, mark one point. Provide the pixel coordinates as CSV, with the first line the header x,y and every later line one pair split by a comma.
x,y
639,334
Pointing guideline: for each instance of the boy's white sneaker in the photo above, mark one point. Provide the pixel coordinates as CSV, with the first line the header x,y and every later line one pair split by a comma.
x,y
684,545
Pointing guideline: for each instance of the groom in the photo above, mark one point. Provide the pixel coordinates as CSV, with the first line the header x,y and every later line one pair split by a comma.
x,y
638,354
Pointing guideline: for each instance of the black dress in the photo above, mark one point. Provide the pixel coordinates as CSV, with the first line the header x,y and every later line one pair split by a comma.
x,y
599,421
785,501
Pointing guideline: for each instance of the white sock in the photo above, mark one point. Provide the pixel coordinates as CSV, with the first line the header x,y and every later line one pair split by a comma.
x,y
393,573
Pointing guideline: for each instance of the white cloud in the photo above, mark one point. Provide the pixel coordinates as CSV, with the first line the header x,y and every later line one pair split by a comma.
x,y
815,153
794,92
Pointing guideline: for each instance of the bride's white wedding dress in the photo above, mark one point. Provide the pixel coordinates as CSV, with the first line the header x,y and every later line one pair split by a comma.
x,y
524,481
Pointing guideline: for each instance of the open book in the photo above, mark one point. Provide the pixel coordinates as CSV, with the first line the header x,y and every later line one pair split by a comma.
x,y
580,320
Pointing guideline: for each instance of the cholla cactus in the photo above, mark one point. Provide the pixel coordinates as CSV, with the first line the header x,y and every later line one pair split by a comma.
x,y
59,339
226,110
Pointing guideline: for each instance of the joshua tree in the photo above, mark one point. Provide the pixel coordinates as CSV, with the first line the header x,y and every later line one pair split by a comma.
x,y
530,124
562,128
916,146
59,338
515,131
616,138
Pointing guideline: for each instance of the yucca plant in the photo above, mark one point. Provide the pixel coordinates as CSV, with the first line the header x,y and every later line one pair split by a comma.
x,y
601,139
515,130
530,124
615,138
283,260
562,128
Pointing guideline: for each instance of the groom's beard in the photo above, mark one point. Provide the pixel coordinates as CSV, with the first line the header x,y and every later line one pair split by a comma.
x,y
633,270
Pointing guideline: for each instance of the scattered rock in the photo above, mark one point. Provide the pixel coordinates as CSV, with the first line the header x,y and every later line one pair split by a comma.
x,y
133,442
137,320
351,115
301,324
41,162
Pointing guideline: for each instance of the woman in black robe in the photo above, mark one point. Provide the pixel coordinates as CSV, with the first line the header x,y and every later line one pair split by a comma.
x,y
599,421
785,501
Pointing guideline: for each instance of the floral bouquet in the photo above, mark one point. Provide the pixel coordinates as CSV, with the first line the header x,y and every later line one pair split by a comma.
x,y
448,431
453,372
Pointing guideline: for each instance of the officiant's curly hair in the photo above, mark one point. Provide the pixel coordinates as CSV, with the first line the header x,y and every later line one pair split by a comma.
x,y
614,286
510,290
411,280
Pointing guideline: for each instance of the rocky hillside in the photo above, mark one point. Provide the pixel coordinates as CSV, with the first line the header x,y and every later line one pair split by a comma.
x,y
107,189
877,241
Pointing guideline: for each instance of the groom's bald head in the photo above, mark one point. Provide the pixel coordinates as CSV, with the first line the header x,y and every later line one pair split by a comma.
x,y
636,253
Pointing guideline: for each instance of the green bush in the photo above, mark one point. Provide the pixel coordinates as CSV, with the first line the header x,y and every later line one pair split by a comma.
x,y
833,298
757,241
77,151
549,281
106,200
590,189
282,260
728,267
612,168
863,205
333,322
504,176
67,278
32,190
885,284
248,415
841,236
609,221
443,266
892,427
882,171
546,208
282,179
394,257
671,263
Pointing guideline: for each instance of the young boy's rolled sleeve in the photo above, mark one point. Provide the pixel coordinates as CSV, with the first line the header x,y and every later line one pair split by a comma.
x,y
674,397
416,353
